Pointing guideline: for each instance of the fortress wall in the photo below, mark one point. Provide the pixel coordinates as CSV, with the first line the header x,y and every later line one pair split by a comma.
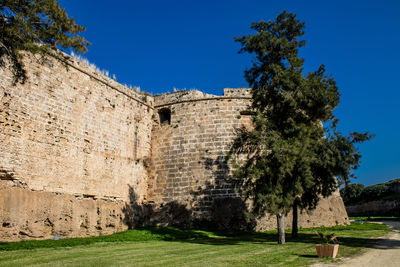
x,y
82,155
329,212
27,214
386,207
73,133
189,165
189,154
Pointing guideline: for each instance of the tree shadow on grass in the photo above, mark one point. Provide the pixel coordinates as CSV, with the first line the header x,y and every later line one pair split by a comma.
x,y
177,224
376,243
232,238
178,219
217,238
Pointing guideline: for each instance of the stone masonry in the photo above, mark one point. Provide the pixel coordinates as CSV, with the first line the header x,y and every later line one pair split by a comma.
x,y
188,156
82,154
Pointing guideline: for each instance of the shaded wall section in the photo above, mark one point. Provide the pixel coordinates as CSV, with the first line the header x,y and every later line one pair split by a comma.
x,y
375,208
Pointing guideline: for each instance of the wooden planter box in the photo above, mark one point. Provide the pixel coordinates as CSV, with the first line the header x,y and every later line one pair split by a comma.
x,y
327,250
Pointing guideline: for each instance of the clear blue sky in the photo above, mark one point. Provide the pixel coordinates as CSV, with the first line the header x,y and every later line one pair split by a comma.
x,y
159,45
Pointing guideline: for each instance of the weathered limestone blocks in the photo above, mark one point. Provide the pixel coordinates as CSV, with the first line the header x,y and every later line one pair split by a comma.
x,y
188,156
375,208
27,214
74,131
189,152
73,143
329,212
82,154
237,92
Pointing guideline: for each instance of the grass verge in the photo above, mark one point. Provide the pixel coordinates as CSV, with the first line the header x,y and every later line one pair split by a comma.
x,y
375,218
176,247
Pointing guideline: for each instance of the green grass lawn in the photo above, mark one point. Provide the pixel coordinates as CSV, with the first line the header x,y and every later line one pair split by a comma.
x,y
375,218
176,247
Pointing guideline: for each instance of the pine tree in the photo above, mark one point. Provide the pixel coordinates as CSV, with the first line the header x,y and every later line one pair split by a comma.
x,y
37,26
289,157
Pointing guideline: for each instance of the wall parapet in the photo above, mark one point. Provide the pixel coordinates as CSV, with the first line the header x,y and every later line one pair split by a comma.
x,y
80,66
196,95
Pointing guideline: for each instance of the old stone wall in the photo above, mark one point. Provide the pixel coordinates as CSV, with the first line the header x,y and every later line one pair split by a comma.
x,y
82,155
72,132
189,165
375,208
189,152
329,212
27,214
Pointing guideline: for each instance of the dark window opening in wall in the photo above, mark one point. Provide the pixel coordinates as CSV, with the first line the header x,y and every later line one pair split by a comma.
x,y
247,112
165,116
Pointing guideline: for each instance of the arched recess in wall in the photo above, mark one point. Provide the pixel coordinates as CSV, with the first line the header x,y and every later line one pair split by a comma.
x,y
164,115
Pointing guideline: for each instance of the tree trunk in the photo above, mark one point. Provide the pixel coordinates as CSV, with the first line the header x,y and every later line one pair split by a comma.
x,y
281,228
295,221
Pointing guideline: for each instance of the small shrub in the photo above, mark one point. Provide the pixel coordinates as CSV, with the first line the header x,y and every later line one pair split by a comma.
x,y
327,238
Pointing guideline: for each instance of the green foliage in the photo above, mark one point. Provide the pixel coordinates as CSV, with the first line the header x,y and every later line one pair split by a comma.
x,y
357,193
375,218
374,192
327,238
294,152
37,26
351,193
393,182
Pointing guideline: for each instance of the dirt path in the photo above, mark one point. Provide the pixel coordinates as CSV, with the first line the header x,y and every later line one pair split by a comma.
x,y
386,252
